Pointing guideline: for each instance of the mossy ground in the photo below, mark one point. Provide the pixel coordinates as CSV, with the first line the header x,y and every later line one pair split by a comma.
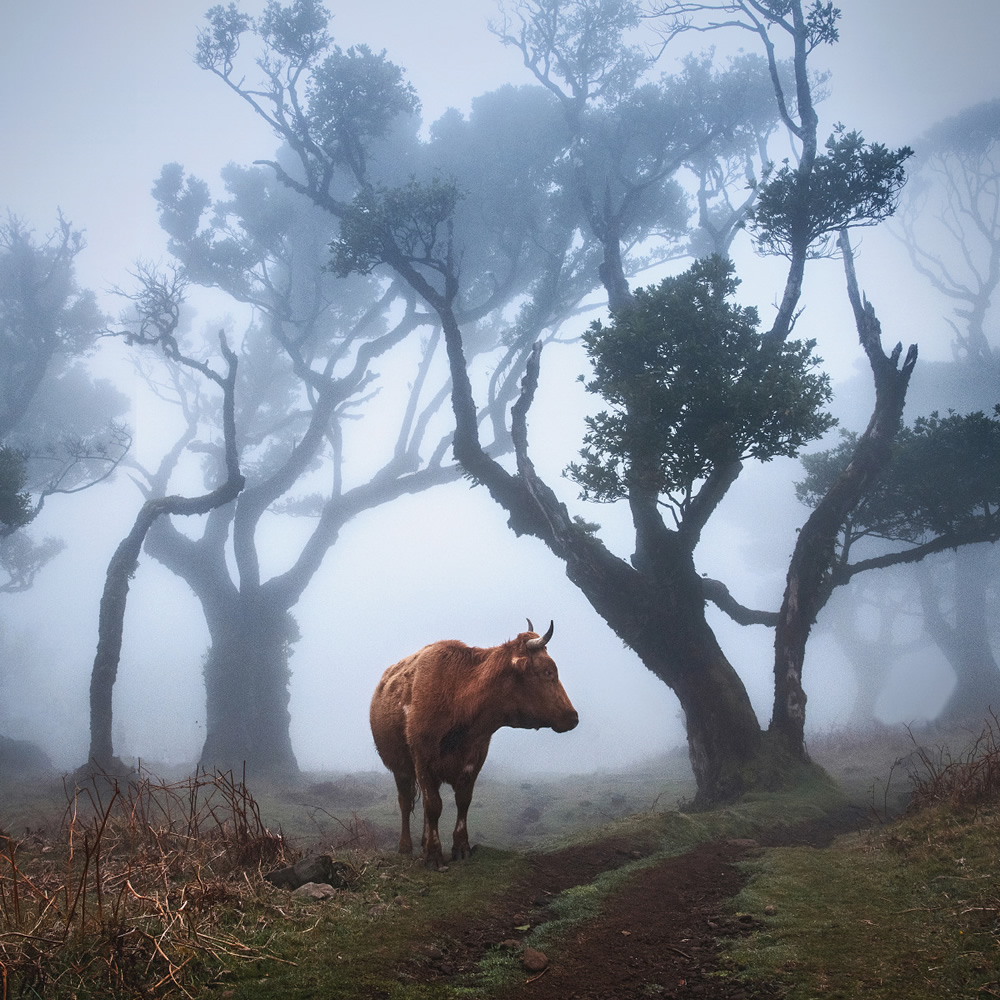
x,y
911,909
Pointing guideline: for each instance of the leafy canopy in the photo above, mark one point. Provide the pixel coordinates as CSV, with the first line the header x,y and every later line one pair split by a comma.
x,y
693,385
412,219
943,481
853,184
15,501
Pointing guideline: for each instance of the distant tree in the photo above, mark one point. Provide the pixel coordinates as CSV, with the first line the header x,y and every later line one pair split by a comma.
x,y
58,425
308,364
950,222
158,304
622,143
306,375
940,493
960,602
629,139
477,190
951,227
876,624
731,170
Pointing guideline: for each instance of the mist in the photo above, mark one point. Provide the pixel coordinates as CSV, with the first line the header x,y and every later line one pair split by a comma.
x,y
106,95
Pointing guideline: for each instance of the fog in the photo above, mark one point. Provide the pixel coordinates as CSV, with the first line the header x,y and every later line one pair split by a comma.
x,y
100,96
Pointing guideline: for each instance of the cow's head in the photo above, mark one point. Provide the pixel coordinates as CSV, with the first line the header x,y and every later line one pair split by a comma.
x,y
537,698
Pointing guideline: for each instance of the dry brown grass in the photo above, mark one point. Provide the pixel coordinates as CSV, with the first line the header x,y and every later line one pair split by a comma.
x,y
966,781
127,894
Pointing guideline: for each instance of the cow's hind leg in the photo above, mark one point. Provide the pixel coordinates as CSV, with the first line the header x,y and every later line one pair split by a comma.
x,y
406,786
463,799
430,788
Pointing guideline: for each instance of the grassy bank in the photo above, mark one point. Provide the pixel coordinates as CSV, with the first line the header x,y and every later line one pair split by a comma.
x,y
909,909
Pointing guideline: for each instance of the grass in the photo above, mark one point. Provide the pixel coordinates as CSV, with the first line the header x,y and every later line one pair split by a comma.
x,y
910,909
130,891
156,889
355,946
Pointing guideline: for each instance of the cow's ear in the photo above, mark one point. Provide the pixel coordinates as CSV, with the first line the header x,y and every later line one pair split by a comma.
x,y
519,662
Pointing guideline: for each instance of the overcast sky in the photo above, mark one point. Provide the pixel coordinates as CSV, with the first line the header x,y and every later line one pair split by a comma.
x,y
98,96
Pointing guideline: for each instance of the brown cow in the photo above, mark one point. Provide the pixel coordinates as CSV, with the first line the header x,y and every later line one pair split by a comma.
x,y
433,714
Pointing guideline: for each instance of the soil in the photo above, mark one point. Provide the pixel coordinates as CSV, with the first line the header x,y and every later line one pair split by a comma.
x,y
658,935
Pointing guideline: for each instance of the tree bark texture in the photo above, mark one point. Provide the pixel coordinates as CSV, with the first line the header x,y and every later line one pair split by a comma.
x,y
246,688
806,588
656,606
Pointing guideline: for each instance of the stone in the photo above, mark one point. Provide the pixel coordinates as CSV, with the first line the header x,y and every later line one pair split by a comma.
x,y
321,868
315,890
533,960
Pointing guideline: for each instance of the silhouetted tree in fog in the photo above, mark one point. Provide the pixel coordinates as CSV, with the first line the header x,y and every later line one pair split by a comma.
x,y
58,425
329,359
306,375
951,223
622,142
951,228
939,496
157,303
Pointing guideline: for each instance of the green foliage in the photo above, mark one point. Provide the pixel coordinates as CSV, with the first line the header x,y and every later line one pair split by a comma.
x,y
15,502
579,44
971,134
944,479
354,97
412,219
219,43
853,184
693,386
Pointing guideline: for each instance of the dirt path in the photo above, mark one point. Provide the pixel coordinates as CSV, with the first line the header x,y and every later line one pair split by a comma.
x,y
656,936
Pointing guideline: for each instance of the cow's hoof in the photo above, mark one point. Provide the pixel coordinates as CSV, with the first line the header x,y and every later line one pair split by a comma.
x,y
460,853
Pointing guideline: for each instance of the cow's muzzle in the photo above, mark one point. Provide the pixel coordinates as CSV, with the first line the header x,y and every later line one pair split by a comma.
x,y
569,721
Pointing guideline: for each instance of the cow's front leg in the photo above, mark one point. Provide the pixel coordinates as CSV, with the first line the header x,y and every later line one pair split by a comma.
x,y
463,798
431,790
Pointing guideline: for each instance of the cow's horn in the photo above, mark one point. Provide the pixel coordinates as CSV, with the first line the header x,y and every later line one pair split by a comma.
x,y
531,628
542,641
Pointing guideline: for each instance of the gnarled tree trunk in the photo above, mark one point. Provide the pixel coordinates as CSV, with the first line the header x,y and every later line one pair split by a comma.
x,y
111,622
246,688
807,589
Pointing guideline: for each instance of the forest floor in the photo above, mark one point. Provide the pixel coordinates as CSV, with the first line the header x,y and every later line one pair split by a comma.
x,y
584,887
656,934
